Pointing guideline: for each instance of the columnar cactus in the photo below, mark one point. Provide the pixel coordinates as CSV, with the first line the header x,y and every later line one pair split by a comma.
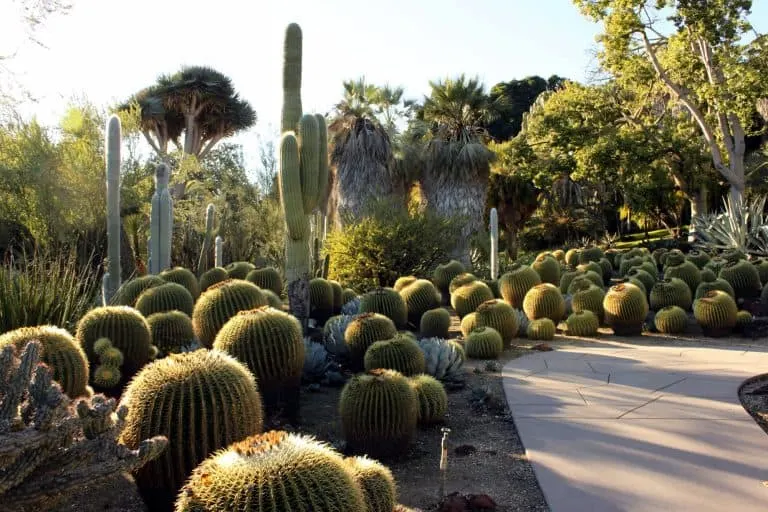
x,y
161,222
111,280
302,176
494,227
205,253
218,259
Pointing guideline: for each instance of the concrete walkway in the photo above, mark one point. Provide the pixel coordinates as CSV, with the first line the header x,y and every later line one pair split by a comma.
x,y
615,427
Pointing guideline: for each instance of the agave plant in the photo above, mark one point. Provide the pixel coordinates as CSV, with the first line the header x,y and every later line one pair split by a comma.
x,y
740,226
333,334
444,359
316,361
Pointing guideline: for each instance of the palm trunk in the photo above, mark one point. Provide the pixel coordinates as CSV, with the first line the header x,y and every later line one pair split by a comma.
x,y
512,244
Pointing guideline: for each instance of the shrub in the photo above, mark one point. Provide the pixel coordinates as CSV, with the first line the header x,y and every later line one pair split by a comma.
x,y
387,243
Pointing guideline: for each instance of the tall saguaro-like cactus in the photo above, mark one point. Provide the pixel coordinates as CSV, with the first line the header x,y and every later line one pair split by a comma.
x,y
161,222
494,228
205,253
111,280
303,175
218,260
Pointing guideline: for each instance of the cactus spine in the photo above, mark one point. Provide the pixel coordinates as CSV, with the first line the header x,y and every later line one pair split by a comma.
x,y
161,222
494,244
302,176
111,278
205,254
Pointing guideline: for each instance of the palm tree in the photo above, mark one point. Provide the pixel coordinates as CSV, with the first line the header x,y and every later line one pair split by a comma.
x,y
458,162
361,154
198,102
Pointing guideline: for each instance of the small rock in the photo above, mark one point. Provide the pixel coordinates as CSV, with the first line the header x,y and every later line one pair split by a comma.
x,y
454,502
464,450
542,347
481,502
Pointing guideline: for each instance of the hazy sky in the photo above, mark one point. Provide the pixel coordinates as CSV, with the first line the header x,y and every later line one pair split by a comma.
x,y
106,50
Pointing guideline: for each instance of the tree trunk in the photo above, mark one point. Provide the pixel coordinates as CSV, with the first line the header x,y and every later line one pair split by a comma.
x,y
512,245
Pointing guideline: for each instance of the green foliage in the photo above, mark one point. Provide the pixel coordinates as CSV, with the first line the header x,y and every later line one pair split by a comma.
x,y
387,243
45,289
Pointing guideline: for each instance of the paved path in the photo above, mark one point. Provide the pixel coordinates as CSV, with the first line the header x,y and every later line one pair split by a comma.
x,y
615,427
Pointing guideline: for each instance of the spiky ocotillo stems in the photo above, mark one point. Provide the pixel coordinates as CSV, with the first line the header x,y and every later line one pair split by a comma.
x,y
544,301
166,297
213,276
362,332
201,401
541,329
433,400
625,309
484,343
267,278
400,353
671,320
582,323
221,302
60,351
420,296
376,481
379,411
130,290
514,284
716,313
387,302
670,292
443,275
276,471
184,277
435,323
172,331
271,344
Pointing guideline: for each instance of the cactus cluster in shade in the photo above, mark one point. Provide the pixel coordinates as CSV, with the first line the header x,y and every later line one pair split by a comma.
x,y
400,353
270,472
761,264
239,269
59,350
130,291
500,316
544,301
433,400
228,408
363,331
165,297
467,298
515,283
567,277
743,278
52,445
387,302
107,374
219,303
172,331
484,343
671,320
376,481
420,296
267,278
743,319
588,297
698,258
686,271
716,313
625,309
338,296
670,292
443,359
548,268
435,323
320,300
541,329
716,284
212,276
444,274
582,323
184,277
379,411
270,343
460,280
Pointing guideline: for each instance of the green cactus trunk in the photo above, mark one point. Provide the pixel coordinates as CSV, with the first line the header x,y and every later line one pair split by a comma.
x,y
204,263
111,280
161,222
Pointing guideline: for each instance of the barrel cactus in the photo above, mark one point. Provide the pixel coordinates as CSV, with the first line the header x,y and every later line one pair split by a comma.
x,y
734,255
628,263
433,400
466,299
388,302
184,277
172,331
567,278
542,329
698,258
484,343
435,323
673,258
716,264
270,343
376,482
201,401
516,283
239,269
743,278
267,278
403,281
544,301
670,292
460,280
126,329
219,303
572,257
212,276
717,284
273,299
400,353
743,319
445,273
716,313
671,320
320,300
625,309
59,350
593,266
500,316
761,264
420,296
469,323
165,297
588,297
379,412
494,286
348,294
607,268
363,331
686,271
657,255
548,268
273,471
643,276
443,359
583,323
130,290
338,296
707,275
